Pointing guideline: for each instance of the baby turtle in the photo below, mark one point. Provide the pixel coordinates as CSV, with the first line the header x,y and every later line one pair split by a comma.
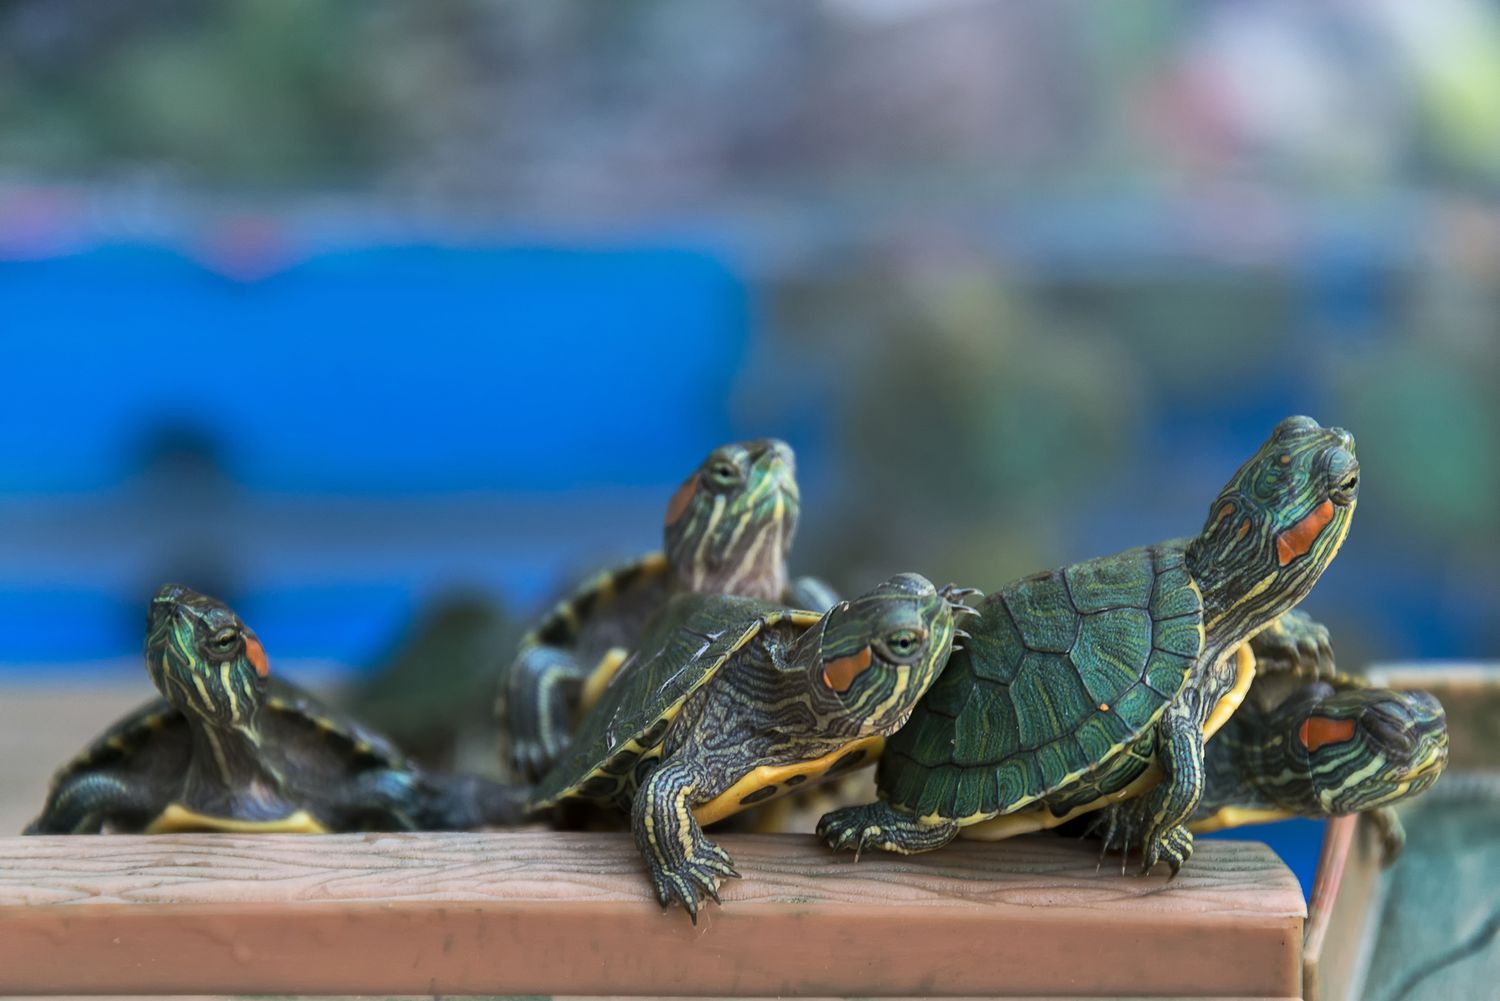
x,y
1100,682
731,701
1331,747
228,748
727,530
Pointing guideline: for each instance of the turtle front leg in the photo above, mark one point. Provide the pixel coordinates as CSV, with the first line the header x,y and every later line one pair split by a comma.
x,y
545,685
683,863
1160,816
1392,834
1294,644
881,825
85,803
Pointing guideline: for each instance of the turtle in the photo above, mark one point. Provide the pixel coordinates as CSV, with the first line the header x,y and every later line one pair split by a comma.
x,y
228,748
727,530
1329,747
731,701
1099,682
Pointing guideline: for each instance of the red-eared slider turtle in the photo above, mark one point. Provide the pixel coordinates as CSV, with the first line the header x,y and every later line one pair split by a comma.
x,y
226,748
731,701
1330,747
728,529
1100,681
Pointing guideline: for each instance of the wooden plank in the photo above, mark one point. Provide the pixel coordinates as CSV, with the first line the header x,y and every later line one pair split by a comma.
x,y
526,913
1341,913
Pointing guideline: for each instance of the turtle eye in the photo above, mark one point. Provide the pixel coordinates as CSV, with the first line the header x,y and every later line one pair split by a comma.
x,y
223,641
904,643
723,473
1346,489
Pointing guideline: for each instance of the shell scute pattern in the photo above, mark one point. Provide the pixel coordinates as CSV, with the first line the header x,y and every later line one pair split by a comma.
x,y
1115,640
1104,584
974,742
985,649
1072,666
296,708
1173,594
1039,605
121,740
621,738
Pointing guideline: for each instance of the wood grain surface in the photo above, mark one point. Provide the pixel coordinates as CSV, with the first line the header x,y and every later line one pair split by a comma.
x,y
511,913
526,913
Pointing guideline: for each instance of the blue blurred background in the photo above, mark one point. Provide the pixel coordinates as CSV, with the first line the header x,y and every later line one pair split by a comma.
x,y
336,309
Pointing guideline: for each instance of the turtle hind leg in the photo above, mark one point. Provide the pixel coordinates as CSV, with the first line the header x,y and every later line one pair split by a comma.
x,y
542,696
684,864
84,803
880,825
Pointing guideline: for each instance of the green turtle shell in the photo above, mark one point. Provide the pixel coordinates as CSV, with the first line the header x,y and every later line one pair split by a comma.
x,y
1064,670
606,611
695,636
153,743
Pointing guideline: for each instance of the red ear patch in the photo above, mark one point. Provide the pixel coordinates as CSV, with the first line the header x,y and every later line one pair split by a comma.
x,y
839,674
681,499
1298,539
257,656
1316,731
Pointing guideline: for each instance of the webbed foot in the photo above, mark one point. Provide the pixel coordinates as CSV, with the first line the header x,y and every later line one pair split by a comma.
x,y
684,865
694,875
1295,644
880,825
1132,827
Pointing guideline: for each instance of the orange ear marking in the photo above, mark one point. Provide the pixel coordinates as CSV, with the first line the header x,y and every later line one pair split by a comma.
x,y
1298,539
1316,731
1239,533
256,654
681,499
839,674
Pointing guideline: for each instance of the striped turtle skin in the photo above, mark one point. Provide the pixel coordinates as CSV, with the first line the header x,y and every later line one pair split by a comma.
x,y
1097,685
728,529
228,748
731,701
1328,748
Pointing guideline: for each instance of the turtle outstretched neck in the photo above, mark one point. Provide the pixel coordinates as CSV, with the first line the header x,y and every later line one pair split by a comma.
x,y
1273,530
729,526
211,667
229,773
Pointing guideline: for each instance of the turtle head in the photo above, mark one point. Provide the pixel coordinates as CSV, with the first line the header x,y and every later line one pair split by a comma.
x,y
877,654
730,524
1275,527
203,659
1354,750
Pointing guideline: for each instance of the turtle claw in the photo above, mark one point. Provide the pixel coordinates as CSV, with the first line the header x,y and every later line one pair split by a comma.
x,y
697,877
955,595
1174,847
1298,644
